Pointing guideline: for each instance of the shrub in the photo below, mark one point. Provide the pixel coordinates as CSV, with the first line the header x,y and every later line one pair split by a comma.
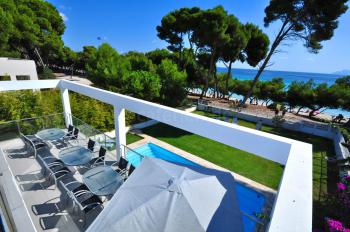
x,y
142,84
173,83
46,73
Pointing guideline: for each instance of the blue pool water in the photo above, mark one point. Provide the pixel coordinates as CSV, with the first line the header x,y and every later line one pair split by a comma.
x,y
250,201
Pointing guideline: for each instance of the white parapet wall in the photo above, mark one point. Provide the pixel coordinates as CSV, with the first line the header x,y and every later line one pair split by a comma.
x,y
292,209
17,67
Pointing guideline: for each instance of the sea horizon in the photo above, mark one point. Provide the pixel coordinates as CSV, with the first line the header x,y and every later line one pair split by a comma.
x,y
288,77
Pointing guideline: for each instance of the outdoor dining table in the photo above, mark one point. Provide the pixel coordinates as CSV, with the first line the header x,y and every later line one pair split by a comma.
x,y
50,134
102,180
75,156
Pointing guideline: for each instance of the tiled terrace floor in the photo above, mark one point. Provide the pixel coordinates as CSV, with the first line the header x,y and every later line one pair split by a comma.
x,y
43,201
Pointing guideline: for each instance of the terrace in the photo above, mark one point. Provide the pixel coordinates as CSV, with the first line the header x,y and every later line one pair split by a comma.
x,y
42,208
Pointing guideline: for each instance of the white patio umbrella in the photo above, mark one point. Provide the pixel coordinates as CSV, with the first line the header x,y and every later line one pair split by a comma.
x,y
163,196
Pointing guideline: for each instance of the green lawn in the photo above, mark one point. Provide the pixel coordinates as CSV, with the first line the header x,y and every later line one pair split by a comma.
x,y
322,147
251,166
131,138
239,161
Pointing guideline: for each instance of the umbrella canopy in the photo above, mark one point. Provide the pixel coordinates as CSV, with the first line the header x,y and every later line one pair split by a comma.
x,y
163,196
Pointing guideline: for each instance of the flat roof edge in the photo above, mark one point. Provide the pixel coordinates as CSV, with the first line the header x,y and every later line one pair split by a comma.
x,y
292,210
18,212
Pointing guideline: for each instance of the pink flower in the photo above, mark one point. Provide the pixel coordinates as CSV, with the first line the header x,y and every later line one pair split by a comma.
x,y
346,230
347,178
334,225
341,187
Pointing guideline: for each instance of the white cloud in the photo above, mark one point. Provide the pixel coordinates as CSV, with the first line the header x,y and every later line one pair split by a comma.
x,y
64,7
64,17
311,59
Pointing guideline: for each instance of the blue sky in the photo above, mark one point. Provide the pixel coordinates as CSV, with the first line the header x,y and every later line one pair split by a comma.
x,y
131,25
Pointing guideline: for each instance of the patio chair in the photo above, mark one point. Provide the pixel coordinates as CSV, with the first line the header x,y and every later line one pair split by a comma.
x,y
121,165
75,188
82,199
52,161
131,170
91,145
35,139
56,172
32,146
73,135
100,159
69,130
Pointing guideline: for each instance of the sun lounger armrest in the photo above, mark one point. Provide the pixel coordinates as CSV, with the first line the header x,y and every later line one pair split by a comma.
x,y
114,163
72,182
92,204
60,171
99,160
53,164
82,192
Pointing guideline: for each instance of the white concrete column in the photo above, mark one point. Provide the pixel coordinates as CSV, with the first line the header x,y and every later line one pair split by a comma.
x,y
120,131
66,107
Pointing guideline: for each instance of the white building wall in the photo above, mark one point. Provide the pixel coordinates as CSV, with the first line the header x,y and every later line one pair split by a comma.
x,y
16,67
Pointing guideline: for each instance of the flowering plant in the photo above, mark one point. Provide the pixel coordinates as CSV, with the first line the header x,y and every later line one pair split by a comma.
x,y
334,225
338,204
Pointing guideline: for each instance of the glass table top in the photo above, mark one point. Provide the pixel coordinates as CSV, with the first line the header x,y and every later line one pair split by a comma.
x,y
51,134
102,180
75,156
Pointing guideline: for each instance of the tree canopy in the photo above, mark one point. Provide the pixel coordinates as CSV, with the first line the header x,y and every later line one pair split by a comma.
x,y
212,35
107,68
28,25
142,84
173,83
311,22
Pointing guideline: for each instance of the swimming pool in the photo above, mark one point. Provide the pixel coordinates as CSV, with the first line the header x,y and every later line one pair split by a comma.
x,y
250,201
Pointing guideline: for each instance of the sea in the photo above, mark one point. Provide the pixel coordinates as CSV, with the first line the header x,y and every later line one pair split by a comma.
x,y
288,77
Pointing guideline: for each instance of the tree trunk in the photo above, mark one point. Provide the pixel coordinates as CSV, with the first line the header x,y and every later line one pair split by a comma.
x,y
311,114
210,71
216,91
229,70
299,110
280,36
180,54
190,41
256,78
202,94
